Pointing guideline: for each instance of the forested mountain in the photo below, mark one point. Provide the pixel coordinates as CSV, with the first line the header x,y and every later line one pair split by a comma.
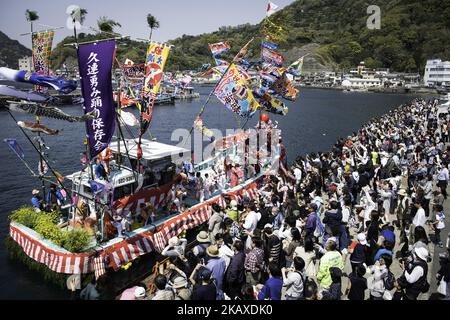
x,y
334,32
11,51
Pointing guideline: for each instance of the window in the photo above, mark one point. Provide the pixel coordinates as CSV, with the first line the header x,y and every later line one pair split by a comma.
x,y
123,191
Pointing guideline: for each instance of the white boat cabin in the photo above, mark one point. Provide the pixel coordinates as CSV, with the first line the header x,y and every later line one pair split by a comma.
x,y
157,160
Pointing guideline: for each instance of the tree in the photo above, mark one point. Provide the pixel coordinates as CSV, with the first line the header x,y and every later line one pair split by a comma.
x,y
152,24
31,16
107,25
83,13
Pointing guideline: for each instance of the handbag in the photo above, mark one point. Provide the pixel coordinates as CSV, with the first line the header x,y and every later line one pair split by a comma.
x,y
442,288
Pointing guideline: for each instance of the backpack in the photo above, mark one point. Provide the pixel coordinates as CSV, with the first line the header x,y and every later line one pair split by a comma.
x,y
389,281
305,281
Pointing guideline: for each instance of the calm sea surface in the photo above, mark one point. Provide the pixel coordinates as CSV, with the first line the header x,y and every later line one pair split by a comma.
x,y
314,123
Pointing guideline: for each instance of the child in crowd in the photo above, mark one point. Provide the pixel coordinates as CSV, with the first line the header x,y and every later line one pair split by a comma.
x,y
438,224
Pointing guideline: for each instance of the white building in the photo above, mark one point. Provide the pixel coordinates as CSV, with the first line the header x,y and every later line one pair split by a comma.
x,y
437,73
362,82
25,63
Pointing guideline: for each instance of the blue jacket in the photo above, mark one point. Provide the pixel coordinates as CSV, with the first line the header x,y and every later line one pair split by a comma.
x,y
388,235
35,202
57,194
272,289
311,223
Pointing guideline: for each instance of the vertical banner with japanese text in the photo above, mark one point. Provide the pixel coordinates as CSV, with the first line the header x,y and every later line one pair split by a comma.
x,y
95,62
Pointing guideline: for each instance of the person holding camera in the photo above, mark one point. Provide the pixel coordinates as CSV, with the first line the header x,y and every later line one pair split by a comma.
x,y
203,286
414,278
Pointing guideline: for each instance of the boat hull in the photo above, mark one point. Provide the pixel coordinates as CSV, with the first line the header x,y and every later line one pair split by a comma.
x,y
120,251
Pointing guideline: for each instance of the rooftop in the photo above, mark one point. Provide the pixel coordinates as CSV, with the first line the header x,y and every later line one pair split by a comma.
x,y
151,150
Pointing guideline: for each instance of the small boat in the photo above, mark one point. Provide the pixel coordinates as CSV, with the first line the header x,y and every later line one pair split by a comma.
x,y
164,98
358,90
186,93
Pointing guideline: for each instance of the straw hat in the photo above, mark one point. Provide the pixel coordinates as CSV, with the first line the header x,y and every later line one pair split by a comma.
x,y
179,282
76,279
212,251
174,241
184,294
203,237
35,192
402,192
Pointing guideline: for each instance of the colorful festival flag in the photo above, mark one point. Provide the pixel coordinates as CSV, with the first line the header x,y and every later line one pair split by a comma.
x,y
95,61
222,69
198,124
269,45
96,187
296,67
219,47
154,65
272,31
12,143
131,82
41,49
284,87
234,94
273,105
271,57
271,8
243,73
221,62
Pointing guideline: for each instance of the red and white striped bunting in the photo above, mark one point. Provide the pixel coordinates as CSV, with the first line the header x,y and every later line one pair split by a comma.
x,y
125,250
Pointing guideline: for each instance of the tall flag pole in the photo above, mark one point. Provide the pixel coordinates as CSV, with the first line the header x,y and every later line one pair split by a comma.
x,y
41,44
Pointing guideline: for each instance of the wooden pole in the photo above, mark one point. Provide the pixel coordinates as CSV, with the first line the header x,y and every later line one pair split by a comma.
x,y
76,44
41,164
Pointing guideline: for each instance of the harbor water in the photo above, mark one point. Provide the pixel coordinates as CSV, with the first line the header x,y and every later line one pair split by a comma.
x,y
313,123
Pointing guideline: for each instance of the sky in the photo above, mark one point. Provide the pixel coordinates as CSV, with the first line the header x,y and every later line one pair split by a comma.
x,y
176,17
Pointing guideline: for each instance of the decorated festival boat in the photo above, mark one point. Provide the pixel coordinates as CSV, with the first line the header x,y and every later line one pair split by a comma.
x,y
133,194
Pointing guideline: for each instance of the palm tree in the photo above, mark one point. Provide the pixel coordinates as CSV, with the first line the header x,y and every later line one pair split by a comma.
x,y
83,13
31,16
107,25
152,24
78,14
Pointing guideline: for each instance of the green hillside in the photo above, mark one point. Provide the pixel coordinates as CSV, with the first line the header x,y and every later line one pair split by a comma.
x,y
333,31
11,51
